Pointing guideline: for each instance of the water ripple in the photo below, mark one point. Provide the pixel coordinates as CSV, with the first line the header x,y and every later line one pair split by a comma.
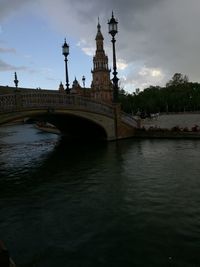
x,y
131,203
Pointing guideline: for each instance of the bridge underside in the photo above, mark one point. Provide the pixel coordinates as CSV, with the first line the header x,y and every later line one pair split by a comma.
x,y
71,125
75,127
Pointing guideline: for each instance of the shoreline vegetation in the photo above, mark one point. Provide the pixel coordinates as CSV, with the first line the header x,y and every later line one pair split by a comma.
x,y
178,95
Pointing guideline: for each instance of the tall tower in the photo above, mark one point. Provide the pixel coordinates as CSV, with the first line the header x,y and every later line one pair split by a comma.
x,y
101,87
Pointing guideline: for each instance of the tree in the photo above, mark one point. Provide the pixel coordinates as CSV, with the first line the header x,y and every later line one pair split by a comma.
x,y
179,96
177,79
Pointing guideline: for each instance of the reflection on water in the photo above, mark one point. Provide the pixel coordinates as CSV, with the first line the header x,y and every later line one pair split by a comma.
x,y
127,203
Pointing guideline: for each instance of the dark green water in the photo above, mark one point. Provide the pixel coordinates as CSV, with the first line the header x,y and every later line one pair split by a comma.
x,y
130,203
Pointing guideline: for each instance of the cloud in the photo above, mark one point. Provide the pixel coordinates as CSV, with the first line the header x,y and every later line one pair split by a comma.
x,y
142,77
7,50
150,72
156,37
153,33
88,50
121,64
8,67
9,8
4,66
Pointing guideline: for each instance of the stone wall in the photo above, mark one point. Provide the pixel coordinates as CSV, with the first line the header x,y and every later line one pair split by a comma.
x,y
168,121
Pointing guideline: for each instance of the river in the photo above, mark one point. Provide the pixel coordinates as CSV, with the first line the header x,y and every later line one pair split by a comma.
x,y
127,203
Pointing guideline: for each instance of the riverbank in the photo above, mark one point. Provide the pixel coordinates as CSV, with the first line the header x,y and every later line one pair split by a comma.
x,y
165,133
179,125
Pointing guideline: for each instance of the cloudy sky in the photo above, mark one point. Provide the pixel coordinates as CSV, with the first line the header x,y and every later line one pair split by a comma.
x,y
156,39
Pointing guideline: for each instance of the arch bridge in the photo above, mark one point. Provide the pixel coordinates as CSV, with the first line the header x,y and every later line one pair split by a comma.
x,y
73,115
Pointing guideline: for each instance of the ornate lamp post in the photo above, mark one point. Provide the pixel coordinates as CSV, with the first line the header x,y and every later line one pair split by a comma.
x,y
112,29
65,52
16,80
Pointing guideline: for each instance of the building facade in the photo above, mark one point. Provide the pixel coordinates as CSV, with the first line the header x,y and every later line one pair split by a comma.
x,y
101,86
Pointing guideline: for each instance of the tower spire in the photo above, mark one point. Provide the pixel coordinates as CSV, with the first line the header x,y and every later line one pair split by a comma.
x,y
99,35
101,83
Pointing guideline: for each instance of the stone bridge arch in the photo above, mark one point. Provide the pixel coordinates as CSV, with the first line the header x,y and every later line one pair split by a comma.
x,y
106,119
77,124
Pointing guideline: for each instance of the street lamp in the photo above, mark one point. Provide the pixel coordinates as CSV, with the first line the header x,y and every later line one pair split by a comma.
x,y
65,52
112,29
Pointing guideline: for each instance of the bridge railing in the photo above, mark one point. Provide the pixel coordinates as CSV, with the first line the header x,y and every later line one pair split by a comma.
x,y
7,102
20,102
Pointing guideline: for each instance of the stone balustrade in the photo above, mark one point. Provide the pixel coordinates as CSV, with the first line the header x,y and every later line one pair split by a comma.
x,y
21,101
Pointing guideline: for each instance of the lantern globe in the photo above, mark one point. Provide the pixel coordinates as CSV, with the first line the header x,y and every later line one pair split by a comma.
x,y
112,26
65,49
